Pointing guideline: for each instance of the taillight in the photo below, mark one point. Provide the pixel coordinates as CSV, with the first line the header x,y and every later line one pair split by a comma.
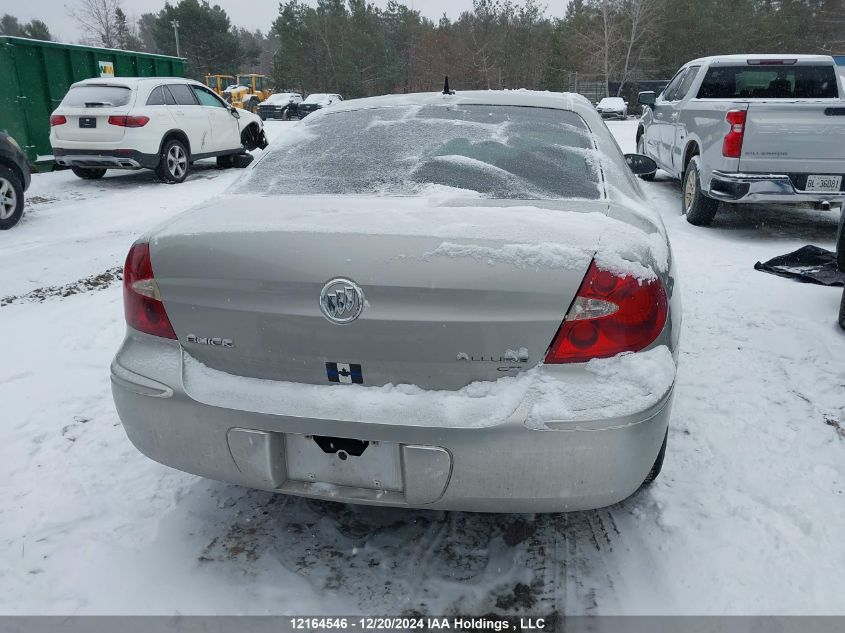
x,y
732,147
58,119
129,121
141,298
610,315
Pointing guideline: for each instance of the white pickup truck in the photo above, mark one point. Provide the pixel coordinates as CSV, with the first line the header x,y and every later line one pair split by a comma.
x,y
749,129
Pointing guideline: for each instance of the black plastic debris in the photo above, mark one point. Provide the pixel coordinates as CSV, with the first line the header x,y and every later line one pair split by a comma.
x,y
809,264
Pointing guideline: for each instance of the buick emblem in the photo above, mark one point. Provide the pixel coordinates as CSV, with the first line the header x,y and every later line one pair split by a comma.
x,y
341,300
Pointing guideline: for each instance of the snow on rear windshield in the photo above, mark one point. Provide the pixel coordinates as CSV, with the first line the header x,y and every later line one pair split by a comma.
x,y
497,151
93,96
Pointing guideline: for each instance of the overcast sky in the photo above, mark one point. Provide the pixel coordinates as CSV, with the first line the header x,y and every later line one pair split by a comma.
x,y
251,14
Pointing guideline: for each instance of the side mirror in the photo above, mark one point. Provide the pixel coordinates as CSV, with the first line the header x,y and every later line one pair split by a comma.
x,y
640,165
234,112
647,98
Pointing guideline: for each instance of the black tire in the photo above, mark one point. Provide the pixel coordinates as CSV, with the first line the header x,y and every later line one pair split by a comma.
x,y
699,209
88,173
658,463
174,162
841,311
242,161
641,150
840,241
11,198
225,162
251,140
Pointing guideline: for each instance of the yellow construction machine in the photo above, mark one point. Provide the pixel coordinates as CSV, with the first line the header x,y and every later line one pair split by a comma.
x,y
219,83
249,90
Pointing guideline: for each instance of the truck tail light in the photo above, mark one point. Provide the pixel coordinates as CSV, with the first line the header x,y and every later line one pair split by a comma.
x,y
141,298
129,121
57,119
732,146
611,314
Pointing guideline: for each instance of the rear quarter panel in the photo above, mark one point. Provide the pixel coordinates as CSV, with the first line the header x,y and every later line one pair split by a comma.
x,y
703,122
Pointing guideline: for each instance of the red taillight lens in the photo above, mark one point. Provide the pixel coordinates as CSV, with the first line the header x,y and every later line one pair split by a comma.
x,y
732,147
129,121
58,119
610,315
141,299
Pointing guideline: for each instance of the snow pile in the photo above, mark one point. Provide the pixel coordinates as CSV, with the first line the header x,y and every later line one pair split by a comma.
x,y
611,387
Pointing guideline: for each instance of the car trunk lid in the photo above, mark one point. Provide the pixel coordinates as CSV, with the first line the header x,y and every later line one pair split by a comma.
x,y
454,291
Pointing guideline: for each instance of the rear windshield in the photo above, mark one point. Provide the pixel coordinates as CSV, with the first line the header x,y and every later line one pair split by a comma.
x,y
95,96
497,151
769,82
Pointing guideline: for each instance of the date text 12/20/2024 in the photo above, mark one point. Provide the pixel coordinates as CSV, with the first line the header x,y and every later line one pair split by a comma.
x,y
373,623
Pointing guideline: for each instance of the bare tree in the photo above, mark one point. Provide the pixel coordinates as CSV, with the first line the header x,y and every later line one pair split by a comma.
x,y
643,18
99,21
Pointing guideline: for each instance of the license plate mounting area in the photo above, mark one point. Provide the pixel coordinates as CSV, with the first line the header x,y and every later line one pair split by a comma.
x,y
367,464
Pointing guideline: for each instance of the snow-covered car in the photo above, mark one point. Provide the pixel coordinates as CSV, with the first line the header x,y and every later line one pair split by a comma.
x,y
316,102
612,108
164,124
282,105
443,301
14,181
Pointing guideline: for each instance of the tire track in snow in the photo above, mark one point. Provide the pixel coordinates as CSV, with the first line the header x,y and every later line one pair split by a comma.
x,y
414,561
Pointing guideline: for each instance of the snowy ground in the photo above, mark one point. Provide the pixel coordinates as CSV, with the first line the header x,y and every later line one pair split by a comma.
x,y
747,517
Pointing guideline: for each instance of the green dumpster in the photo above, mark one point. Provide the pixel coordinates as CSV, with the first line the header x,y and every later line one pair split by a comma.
x,y
36,75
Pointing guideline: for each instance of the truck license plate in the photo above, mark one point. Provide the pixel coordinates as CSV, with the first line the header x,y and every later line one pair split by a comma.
x,y
824,183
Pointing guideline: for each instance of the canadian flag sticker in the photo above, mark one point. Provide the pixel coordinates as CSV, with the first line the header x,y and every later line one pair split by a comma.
x,y
344,372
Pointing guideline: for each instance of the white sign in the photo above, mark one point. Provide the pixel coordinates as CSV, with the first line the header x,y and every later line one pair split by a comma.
x,y
106,69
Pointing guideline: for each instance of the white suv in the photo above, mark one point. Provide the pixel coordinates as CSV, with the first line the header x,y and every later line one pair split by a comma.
x,y
158,123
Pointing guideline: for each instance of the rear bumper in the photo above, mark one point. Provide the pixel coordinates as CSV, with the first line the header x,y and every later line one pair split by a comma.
x,y
742,187
105,159
506,467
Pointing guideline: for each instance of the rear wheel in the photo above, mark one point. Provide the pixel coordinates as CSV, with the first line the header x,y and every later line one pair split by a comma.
x,y
11,198
174,162
88,173
840,241
699,209
658,463
641,150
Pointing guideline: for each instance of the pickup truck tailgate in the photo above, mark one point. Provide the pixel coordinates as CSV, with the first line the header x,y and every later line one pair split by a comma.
x,y
794,138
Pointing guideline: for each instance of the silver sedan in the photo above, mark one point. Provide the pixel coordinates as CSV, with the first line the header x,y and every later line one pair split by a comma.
x,y
453,301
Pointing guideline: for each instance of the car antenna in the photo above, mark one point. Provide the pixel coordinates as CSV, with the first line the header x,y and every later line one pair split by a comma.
x,y
446,90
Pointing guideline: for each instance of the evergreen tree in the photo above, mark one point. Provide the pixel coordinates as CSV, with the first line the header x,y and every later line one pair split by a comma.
x,y
206,37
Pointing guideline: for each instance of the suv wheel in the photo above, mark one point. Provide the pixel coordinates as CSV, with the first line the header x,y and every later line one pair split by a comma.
x,y
641,150
174,163
88,173
11,198
840,241
699,209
